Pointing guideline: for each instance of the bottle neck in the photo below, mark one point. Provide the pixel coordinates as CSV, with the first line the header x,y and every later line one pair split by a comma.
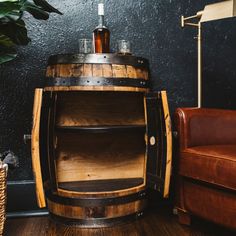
x,y
101,14
101,21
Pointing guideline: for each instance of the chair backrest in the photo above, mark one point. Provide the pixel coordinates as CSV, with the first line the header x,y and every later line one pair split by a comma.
x,y
203,126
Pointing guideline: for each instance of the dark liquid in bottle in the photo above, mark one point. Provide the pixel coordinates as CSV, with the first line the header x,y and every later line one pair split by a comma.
x,y
101,40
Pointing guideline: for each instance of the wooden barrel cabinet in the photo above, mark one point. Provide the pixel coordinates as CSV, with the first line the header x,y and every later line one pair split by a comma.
x,y
99,139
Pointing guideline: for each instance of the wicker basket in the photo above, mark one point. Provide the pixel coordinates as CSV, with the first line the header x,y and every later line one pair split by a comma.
x,y
3,187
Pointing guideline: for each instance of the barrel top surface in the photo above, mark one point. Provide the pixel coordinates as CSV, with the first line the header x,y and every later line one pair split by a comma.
x,y
107,58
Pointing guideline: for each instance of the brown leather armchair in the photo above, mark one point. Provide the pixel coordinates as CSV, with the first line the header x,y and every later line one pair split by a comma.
x,y
206,165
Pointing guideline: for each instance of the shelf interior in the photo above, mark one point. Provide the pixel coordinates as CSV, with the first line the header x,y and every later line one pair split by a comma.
x,y
100,137
88,156
101,185
99,109
102,129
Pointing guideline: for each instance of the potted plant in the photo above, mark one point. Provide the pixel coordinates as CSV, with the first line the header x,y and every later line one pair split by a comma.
x,y
13,31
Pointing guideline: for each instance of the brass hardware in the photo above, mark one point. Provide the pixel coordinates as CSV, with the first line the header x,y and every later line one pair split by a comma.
x,y
175,134
139,214
182,21
26,138
152,141
55,142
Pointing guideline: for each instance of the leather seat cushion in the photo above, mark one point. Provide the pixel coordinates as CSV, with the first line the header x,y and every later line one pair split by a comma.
x,y
215,164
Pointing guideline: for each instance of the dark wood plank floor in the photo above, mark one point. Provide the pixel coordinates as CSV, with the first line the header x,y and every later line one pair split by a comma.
x,y
157,222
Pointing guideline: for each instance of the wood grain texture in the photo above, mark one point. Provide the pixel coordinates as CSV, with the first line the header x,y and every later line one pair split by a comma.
x,y
131,72
88,70
95,108
140,73
101,156
158,221
100,70
168,142
119,71
96,88
107,70
119,193
97,70
145,139
107,212
35,149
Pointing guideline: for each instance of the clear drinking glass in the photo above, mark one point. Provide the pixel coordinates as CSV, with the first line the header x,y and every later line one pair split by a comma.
x,y
85,46
124,47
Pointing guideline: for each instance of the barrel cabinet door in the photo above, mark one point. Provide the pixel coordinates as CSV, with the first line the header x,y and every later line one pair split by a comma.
x,y
159,142
35,147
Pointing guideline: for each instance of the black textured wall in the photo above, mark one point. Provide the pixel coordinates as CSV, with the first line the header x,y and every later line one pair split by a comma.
x,y
154,29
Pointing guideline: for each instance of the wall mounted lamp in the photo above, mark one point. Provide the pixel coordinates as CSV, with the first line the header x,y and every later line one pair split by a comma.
x,y
211,12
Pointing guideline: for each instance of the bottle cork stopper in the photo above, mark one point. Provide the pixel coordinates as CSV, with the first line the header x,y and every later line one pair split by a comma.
x,y
101,9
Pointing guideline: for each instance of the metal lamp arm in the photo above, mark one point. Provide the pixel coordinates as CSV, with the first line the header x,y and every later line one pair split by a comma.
x,y
185,22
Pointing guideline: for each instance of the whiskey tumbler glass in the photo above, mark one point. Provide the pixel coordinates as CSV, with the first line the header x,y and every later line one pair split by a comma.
x,y
124,47
85,46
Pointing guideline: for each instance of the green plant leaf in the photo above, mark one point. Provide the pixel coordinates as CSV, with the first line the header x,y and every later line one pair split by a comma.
x,y
7,53
46,6
16,31
36,11
7,57
12,28
9,8
6,41
9,0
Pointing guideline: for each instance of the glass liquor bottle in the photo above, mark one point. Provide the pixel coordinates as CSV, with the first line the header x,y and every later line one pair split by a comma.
x,y
101,35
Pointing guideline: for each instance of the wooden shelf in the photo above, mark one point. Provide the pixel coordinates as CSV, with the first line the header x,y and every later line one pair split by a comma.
x,y
101,185
89,156
102,129
99,109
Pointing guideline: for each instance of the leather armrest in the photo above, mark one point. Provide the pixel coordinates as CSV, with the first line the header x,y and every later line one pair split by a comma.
x,y
203,126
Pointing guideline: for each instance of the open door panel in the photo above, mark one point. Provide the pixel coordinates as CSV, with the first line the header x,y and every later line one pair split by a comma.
x,y
159,142
42,144
35,148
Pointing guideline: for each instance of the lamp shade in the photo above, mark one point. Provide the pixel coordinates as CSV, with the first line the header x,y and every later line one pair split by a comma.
x,y
218,11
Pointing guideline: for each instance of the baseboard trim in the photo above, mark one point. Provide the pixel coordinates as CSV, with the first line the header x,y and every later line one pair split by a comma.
x,y
21,196
20,182
22,214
